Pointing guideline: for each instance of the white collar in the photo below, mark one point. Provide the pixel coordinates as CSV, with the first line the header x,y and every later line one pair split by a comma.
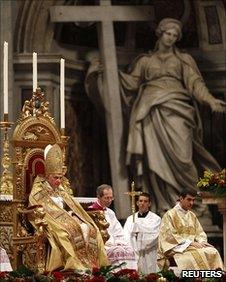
x,y
178,207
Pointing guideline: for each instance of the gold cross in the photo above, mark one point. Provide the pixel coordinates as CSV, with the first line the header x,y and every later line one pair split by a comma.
x,y
133,194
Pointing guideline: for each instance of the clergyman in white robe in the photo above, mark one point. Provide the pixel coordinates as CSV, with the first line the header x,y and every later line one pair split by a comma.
x,y
143,237
117,247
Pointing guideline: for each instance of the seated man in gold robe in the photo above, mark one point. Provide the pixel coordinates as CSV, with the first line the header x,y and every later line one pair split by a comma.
x,y
182,238
75,241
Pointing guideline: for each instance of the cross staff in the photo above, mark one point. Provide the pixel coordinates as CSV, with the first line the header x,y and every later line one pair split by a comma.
x,y
133,194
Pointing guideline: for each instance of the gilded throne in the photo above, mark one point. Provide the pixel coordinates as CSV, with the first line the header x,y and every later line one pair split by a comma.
x,y
35,129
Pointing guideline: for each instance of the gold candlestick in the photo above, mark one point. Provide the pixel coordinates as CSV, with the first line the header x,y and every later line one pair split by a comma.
x,y
6,180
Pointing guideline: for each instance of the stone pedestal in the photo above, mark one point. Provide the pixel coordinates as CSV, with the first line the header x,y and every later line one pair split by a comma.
x,y
221,203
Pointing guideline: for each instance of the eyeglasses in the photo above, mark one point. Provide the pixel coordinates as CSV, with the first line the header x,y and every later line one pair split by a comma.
x,y
56,177
108,198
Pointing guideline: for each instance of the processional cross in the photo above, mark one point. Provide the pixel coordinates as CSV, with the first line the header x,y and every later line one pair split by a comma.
x,y
105,15
133,194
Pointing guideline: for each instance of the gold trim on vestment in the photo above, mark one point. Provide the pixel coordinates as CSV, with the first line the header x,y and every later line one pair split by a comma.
x,y
87,252
198,259
185,230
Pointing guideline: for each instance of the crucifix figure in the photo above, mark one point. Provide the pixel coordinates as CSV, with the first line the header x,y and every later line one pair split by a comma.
x,y
105,15
133,194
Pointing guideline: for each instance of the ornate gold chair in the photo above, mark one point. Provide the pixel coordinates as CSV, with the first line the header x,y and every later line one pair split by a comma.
x,y
35,129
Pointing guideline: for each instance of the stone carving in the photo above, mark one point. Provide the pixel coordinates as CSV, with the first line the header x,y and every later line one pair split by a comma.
x,y
160,93
38,132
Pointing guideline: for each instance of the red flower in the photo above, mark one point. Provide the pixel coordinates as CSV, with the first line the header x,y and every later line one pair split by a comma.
x,y
134,275
223,278
96,271
123,272
96,279
129,273
152,277
3,274
46,273
58,276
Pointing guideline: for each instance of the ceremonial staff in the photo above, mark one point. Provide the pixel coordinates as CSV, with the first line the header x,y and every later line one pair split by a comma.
x,y
133,194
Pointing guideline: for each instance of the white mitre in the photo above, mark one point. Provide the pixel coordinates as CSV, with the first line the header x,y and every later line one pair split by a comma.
x,y
47,148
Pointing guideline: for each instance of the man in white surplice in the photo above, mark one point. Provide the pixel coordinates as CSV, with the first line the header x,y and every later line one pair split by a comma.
x,y
142,231
117,248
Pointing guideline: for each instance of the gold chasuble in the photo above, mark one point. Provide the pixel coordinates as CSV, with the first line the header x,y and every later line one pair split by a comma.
x,y
69,248
179,228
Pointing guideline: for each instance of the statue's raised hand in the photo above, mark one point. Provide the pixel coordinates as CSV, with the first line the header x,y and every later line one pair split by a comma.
x,y
218,105
96,65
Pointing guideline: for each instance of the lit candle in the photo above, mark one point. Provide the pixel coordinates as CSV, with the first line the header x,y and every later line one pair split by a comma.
x,y
62,94
35,79
5,77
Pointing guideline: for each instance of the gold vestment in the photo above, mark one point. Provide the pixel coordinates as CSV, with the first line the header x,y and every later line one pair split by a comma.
x,y
68,248
176,227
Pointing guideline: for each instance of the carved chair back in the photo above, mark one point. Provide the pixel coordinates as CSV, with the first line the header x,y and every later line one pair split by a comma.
x,y
35,129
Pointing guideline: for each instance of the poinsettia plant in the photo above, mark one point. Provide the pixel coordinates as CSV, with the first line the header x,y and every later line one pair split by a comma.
x,y
214,183
102,274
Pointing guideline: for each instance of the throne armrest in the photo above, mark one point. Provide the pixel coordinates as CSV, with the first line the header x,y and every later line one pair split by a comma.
x,y
35,215
31,236
97,215
99,218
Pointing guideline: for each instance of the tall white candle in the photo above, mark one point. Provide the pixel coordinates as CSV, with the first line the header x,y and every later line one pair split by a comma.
x,y
35,77
5,77
62,93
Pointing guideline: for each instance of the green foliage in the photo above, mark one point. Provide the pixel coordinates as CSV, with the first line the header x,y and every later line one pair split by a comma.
x,y
22,271
102,274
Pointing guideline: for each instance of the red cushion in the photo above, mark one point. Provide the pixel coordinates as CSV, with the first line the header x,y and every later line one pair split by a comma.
x,y
36,167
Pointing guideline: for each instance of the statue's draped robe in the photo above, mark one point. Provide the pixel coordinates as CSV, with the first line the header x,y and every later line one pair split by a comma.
x,y
165,132
143,237
178,229
69,249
